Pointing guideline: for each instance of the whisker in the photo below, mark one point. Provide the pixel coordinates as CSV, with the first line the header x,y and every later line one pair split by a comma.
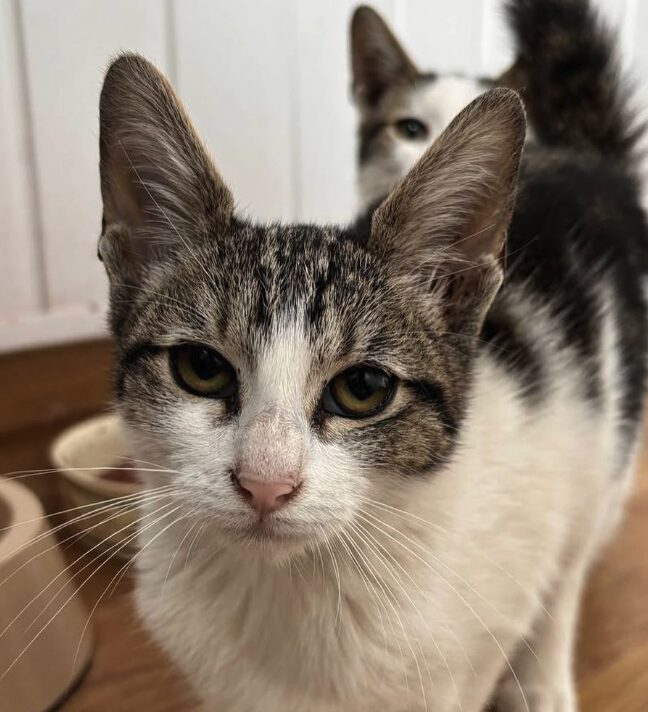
x,y
142,497
61,573
376,547
376,600
387,597
410,601
408,515
197,536
89,505
182,541
23,474
121,510
336,570
454,590
118,576
61,608
423,593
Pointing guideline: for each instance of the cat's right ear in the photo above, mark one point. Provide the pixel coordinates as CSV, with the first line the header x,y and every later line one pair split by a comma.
x,y
443,228
377,58
160,189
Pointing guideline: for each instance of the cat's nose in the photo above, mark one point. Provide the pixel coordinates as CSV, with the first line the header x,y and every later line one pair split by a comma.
x,y
266,497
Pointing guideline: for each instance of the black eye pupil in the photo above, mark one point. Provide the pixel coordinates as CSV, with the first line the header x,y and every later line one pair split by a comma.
x,y
202,371
205,363
363,383
358,392
412,128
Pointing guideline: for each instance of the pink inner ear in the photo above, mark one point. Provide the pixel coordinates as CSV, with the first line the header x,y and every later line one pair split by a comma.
x,y
456,203
154,169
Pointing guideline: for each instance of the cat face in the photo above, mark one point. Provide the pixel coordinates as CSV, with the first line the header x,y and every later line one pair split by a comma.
x,y
286,373
402,110
330,387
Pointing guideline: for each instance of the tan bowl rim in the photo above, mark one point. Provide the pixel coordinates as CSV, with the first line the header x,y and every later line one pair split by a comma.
x,y
87,478
26,518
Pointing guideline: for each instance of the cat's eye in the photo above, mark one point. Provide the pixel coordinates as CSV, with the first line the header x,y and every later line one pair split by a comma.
x,y
412,129
202,371
358,392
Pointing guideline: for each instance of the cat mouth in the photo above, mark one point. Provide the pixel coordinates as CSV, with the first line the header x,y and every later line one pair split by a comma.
x,y
271,530
268,529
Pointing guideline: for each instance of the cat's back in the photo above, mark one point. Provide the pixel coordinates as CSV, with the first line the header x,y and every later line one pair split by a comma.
x,y
576,211
571,317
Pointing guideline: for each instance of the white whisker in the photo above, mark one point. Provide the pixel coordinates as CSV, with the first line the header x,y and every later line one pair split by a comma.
x,y
461,597
65,603
121,506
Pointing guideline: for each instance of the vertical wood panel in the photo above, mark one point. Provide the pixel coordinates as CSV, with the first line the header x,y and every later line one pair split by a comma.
x,y
613,11
640,45
445,36
496,45
69,45
632,17
235,69
327,118
19,264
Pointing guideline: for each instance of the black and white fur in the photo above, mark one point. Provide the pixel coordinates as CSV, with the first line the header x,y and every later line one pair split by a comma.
x,y
578,202
565,68
434,556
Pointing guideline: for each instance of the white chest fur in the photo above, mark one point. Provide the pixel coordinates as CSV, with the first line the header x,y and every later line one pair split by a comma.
x,y
418,607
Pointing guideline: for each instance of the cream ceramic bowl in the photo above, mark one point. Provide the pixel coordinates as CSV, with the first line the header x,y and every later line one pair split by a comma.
x,y
86,454
45,643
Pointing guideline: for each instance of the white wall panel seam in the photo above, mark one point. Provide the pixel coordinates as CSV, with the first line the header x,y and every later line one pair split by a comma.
x,y
297,197
38,234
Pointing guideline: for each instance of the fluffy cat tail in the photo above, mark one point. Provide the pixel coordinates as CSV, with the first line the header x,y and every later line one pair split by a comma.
x,y
568,72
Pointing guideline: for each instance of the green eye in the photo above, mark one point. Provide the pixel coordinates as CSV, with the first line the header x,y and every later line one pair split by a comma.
x,y
358,392
202,371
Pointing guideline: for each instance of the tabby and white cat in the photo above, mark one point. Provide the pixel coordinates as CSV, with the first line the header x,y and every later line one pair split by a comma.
x,y
393,455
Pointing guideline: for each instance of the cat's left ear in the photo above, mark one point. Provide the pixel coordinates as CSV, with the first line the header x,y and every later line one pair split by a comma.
x,y
443,228
378,61
160,189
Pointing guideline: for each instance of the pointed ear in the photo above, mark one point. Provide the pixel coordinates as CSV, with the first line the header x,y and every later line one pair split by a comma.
x,y
160,190
443,228
378,61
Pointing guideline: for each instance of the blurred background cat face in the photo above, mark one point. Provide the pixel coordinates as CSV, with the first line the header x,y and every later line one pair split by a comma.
x,y
402,109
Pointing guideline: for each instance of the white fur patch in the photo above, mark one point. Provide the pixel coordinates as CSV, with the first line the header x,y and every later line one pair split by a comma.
x,y
417,591
435,104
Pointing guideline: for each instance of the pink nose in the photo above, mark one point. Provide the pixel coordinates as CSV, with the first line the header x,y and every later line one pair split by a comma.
x,y
266,497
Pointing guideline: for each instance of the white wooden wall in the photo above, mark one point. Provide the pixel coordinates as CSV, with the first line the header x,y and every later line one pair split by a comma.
x,y
267,84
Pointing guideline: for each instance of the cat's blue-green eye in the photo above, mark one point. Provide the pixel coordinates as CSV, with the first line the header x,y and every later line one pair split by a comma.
x,y
358,392
412,129
202,371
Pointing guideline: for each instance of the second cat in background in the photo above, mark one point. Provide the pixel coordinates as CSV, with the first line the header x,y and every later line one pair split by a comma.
x,y
403,108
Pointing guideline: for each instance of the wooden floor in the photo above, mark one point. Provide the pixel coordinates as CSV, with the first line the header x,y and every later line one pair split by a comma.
x,y
128,673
